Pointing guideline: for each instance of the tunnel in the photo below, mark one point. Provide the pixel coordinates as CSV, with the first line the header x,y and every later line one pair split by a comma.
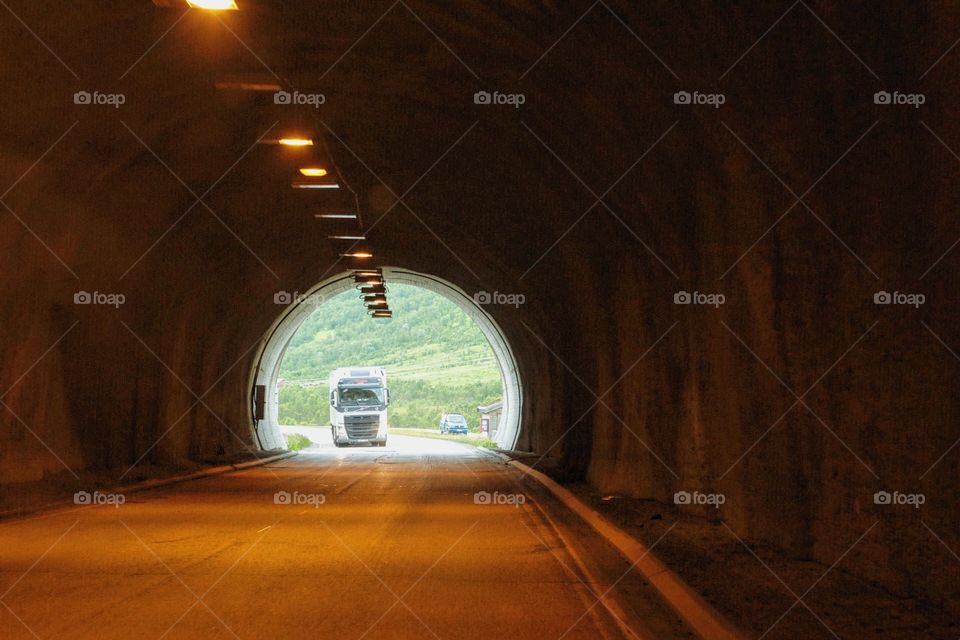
x,y
712,245
267,368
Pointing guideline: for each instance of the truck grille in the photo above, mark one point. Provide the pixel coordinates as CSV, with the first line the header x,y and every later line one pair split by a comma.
x,y
361,427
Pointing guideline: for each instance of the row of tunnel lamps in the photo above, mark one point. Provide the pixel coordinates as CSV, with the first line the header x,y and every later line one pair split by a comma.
x,y
368,280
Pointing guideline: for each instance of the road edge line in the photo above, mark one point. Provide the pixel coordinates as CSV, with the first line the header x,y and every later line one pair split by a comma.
x,y
700,616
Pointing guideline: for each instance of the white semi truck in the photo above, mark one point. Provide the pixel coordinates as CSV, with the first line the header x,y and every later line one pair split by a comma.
x,y
358,406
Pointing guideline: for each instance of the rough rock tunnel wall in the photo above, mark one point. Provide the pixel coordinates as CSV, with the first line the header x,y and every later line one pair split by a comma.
x,y
599,199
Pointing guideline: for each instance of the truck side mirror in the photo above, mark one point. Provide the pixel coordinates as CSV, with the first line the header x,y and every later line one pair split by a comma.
x,y
333,398
388,396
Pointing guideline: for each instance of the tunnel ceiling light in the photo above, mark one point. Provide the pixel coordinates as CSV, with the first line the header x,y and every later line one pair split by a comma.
x,y
295,142
213,5
362,255
347,237
376,304
320,181
373,290
247,82
315,183
368,272
336,216
382,313
209,5
313,172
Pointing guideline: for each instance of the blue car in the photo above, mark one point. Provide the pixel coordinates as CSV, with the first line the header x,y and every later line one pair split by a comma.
x,y
453,423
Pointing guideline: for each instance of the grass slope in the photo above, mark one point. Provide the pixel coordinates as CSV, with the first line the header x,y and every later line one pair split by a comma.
x,y
436,358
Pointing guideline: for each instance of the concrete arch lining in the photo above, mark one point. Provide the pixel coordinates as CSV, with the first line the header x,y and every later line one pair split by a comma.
x,y
300,305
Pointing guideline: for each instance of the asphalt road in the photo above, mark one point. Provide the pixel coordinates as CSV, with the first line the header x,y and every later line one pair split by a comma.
x,y
336,543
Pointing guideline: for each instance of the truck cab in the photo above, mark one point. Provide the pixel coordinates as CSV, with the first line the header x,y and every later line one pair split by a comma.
x,y
359,397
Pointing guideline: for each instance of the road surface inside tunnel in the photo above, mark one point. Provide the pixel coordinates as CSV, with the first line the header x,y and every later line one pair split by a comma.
x,y
348,543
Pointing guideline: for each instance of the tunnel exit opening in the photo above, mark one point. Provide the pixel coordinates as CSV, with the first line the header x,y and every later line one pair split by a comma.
x,y
265,379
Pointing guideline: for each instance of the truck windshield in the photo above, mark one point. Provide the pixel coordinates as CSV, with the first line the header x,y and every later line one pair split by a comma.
x,y
361,397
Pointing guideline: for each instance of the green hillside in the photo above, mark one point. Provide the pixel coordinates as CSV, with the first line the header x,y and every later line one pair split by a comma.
x,y
436,358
